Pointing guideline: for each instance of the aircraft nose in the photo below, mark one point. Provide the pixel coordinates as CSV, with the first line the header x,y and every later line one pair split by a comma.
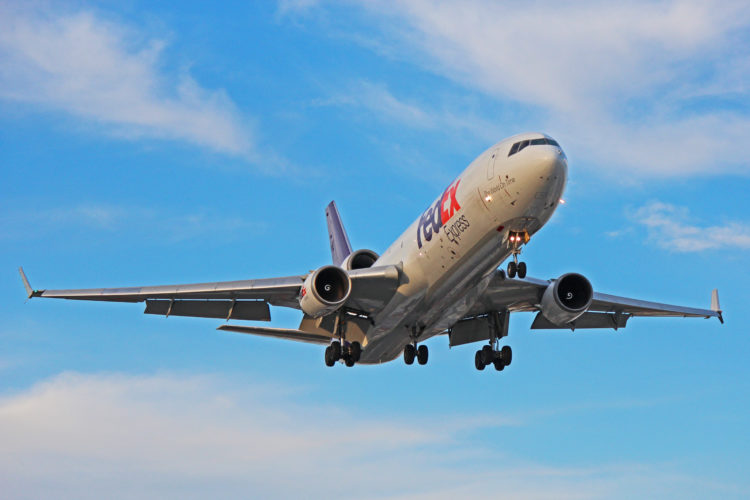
x,y
548,165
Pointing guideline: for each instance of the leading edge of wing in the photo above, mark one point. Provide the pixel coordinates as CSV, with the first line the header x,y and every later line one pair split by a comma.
x,y
267,289
281,333
612,303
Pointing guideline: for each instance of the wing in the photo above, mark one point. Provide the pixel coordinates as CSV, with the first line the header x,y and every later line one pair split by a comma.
x,y
606,311
246,299
372,288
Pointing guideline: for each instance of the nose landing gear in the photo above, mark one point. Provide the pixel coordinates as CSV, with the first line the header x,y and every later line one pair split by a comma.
x,y
517,239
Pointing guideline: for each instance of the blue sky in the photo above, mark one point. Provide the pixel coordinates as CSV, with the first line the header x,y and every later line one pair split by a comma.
x,y
141,143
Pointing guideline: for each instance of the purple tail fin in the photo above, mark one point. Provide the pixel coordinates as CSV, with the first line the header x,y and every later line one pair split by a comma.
x,y
340,246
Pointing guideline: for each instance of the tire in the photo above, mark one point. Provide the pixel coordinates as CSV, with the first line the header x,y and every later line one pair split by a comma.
x,y
355,350
409,353
487,355
329,357
478,361
348,361
506,354
512,268
336,350
499,365
522,270
422,354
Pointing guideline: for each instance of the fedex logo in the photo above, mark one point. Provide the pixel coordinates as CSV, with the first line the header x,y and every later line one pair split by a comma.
x,y
439,214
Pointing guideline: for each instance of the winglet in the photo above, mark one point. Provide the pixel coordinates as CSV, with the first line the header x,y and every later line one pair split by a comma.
x,y
340,246
715,304
29,291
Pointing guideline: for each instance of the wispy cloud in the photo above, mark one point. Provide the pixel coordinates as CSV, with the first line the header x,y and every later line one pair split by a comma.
x,y
152,223
164,436
106,73
673,228
379,101
647,88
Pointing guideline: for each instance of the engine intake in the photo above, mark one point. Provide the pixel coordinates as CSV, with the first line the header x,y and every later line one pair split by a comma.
x,y
567,298
361,259
324,291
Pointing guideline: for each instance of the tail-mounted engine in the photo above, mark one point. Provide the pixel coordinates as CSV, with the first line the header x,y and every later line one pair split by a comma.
x,y
361,259
324,291
567,298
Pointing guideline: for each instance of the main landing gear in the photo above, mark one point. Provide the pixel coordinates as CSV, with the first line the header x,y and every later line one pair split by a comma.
x,y
341,349
488,356
514,267
411,351
349,352
491,354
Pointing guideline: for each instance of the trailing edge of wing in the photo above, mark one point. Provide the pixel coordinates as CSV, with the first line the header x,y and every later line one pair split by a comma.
x,y
280,333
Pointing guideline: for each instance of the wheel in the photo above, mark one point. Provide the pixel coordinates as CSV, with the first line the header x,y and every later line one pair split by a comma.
x,y
499,364
355,351
478,361
512,268
522,270
409,354
422,354
329,357
336,350
506,354
348,361
487,355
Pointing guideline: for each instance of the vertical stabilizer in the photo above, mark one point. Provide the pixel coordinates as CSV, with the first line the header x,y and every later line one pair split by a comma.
x,y
340,246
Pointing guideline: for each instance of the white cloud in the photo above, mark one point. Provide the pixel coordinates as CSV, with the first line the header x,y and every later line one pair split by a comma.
x,y
633,84
673,228
96,69
179,436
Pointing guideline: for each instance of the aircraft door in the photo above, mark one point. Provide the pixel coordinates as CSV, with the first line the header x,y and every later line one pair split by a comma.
x,y
491,165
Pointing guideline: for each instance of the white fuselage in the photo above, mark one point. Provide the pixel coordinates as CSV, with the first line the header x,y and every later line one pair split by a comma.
x,y
449,254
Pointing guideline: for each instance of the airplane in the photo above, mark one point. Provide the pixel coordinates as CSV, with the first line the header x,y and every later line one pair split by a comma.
x,y
440,277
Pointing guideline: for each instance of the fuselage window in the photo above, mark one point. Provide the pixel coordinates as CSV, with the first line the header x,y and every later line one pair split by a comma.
x,y
538,142
514,149
552,142
522,145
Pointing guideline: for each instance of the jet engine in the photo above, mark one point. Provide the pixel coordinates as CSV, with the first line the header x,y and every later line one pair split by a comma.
x,y
360,259
324,291
567,298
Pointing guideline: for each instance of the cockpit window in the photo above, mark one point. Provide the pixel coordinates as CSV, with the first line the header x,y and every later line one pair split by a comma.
x,y
533,142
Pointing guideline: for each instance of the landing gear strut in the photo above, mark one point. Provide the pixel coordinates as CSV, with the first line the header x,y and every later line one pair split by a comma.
x,y
514,267
411,351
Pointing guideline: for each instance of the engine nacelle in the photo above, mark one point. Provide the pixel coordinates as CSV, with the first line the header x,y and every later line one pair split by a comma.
x,y
567,298
324,291
360,259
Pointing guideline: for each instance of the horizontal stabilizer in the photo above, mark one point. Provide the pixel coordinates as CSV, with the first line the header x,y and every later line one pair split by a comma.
x,y
280,333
